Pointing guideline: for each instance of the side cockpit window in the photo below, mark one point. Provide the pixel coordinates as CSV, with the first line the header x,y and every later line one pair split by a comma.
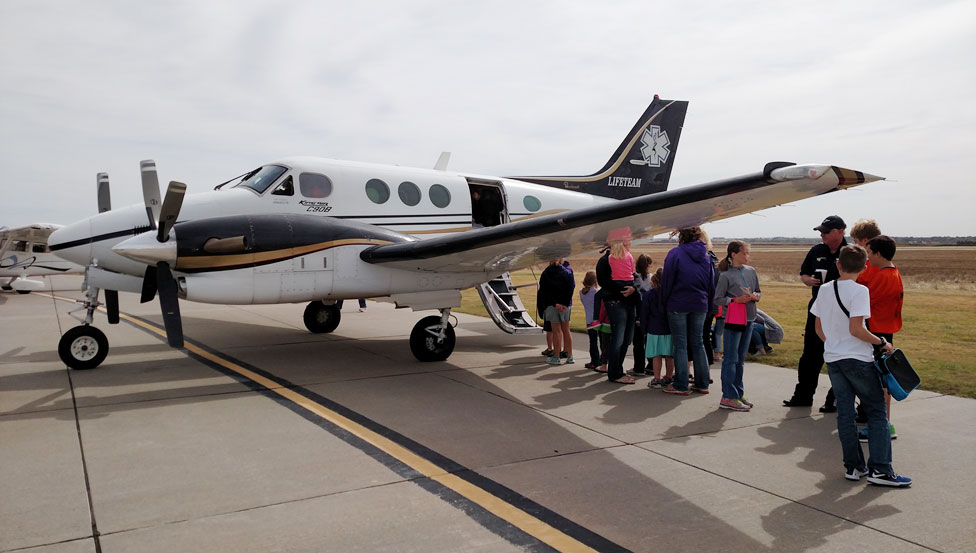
x,y
39,248
260,179
314,185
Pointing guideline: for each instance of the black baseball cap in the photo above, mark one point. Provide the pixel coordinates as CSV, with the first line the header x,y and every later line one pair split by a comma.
x,y
830,223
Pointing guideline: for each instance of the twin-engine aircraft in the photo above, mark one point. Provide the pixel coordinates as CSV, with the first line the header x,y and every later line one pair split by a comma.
x,y
317,230
24,253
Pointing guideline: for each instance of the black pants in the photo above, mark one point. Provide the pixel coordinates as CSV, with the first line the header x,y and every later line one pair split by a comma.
x,y
707,338
811,362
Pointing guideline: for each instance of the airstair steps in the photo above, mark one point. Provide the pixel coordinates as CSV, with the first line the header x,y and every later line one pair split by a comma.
x,y
502,301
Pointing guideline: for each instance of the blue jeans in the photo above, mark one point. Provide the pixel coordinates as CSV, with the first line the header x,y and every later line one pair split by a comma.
x,y
850,378
622,315
736,345
686,334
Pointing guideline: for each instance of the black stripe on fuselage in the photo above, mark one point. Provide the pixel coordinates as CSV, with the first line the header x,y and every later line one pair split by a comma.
x,y
98,238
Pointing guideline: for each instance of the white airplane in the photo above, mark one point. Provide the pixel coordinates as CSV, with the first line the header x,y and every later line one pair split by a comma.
x,y
318,230
24,253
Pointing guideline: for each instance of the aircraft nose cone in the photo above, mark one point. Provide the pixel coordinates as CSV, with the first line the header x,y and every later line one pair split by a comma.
x,y
146,249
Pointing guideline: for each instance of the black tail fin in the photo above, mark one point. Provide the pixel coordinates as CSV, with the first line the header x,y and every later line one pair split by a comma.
x,y
642,163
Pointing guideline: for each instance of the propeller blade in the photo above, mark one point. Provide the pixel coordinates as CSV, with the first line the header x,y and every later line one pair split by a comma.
x,y
169,303
104,196
150,190
148,284
171,209
112,306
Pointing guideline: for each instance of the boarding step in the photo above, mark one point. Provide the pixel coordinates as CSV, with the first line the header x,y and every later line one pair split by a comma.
x,y
505,307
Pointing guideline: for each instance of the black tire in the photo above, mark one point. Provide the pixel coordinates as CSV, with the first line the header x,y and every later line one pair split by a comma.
x,y
423,340
83,347
7,287
23,291
320,318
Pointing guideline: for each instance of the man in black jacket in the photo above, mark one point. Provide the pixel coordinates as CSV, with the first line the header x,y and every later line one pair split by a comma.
x,y
818,268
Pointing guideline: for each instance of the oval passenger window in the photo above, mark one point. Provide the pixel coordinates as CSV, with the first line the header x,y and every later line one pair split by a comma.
x,y
440,196
409,193
377,191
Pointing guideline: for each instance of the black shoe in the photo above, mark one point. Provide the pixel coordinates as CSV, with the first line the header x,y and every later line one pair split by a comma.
x,y
828,409
794,402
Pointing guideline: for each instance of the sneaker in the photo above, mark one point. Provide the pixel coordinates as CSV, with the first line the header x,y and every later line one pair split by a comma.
x,y
699,390
666,381
362,309
828,408
891,429
656,383
591,365
552,360
570,360
746,402
547,352
669,389
892,480
855,474
563,355
637,373
732,404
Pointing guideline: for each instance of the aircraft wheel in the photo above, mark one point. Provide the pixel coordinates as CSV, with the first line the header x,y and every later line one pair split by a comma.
x,y
423,340
7,287
83,347
23,291
321,318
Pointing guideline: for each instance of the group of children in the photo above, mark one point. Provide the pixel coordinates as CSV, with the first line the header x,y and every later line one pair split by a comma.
x,y
869,282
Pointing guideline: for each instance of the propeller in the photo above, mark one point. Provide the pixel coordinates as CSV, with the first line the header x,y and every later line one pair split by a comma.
x,y
104,196
158,278
105,204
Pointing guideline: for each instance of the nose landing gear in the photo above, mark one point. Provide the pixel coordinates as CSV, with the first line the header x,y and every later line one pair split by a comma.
x,y
84,347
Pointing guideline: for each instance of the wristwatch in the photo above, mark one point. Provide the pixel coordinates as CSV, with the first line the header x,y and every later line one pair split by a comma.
x,y
883,342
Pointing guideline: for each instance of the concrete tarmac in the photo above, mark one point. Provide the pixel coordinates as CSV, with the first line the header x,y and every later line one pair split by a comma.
x,y
260,436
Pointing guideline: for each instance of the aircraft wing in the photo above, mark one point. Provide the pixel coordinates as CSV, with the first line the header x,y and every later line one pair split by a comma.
x,y
537,240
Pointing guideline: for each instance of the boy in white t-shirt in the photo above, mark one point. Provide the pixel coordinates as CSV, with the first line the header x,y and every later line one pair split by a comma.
x,y
841,308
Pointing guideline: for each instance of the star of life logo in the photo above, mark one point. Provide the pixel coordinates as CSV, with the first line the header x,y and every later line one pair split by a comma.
x,y
655,146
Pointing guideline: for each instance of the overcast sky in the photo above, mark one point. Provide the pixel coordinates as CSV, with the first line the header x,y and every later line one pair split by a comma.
x,y
212,89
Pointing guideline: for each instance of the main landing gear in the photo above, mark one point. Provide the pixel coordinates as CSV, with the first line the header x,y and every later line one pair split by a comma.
x,y
432,338
84,347
320,318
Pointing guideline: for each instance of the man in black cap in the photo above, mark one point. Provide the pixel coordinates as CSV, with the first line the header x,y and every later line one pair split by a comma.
x,y
819,267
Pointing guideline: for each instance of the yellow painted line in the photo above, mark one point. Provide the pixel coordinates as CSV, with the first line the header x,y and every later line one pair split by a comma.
x,y
493,504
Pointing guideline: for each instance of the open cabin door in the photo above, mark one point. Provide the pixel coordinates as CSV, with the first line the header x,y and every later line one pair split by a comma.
x,y
489,208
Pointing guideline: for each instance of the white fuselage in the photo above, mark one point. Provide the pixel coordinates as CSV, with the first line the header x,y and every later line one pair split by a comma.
x,y
443,205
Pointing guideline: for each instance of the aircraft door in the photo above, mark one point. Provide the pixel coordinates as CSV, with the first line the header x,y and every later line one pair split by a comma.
x,y
489,207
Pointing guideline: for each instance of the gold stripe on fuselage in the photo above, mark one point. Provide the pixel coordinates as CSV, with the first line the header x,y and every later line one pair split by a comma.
x,y
246,259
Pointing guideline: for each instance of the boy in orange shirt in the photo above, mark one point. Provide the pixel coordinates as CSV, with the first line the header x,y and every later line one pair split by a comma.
x,y
887,295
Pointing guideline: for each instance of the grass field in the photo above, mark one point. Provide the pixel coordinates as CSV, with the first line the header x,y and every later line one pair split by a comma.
x,y
939,313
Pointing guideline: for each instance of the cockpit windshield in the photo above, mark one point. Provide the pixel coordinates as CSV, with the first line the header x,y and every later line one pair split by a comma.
x,y
260,179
